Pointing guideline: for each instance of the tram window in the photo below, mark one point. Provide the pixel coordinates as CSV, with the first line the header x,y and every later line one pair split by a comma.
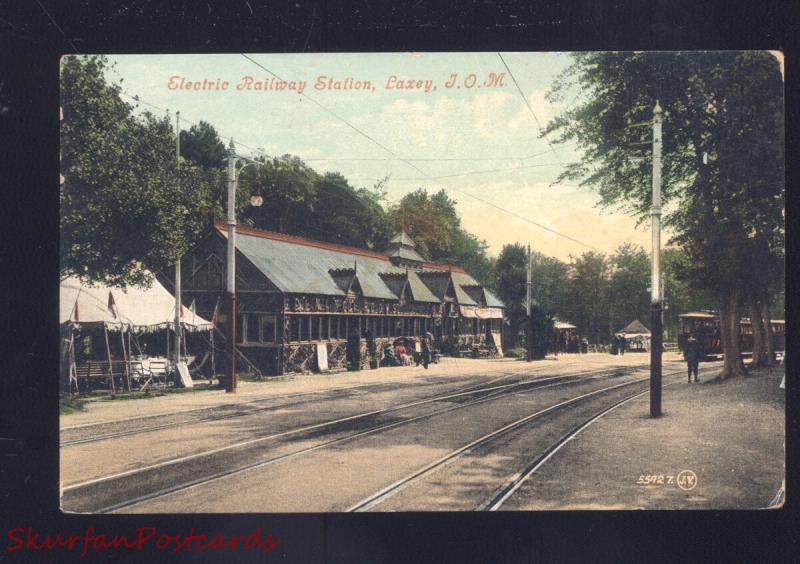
x,y
325,327
313,328
303,329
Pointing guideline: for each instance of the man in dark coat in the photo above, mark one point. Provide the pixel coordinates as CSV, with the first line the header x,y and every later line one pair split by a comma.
x,y
691,354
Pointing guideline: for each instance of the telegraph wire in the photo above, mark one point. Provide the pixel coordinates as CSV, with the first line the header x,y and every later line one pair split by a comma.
x,y
528,104
185,119
340,118
395,156
415,167
474,172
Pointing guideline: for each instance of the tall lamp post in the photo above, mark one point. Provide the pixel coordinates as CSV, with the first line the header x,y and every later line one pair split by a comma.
x,y
230,285
656,307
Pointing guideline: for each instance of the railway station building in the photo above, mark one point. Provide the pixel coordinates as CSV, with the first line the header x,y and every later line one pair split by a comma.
x,y
298,299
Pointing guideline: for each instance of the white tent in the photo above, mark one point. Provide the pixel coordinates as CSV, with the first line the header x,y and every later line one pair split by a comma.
x,y
134,309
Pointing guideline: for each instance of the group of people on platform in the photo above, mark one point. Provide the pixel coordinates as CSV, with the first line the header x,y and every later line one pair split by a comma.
x,y
570,342
406,351
619,344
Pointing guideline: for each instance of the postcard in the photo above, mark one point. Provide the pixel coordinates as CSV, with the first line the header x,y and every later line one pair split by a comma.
x,y
490,281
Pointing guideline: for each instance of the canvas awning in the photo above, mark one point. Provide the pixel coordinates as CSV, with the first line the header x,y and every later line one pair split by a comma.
x,y
635,327
134,309
481,312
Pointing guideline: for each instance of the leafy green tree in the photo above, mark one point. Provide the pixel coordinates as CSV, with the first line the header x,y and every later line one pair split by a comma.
x,y
587,296
679,297
126,207
549,283
723,159
629,297
360,219
433,222
201,145
510,286
288,187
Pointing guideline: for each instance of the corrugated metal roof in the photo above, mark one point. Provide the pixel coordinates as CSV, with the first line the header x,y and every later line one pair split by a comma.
x,y
419,290
297,265
459,279
492,300
304,269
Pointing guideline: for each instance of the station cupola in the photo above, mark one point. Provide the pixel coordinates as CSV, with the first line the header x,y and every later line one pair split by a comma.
x,y
402,251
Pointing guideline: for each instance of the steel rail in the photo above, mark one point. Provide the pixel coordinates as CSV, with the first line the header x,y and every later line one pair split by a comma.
x,y
261,463
500,376
529,382
129,432
395,488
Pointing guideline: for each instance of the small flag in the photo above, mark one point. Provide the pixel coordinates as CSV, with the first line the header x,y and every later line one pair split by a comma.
x,y
112,305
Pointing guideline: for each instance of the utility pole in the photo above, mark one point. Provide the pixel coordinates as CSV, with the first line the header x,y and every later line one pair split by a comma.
x,y
230,385
656,310
529,308
178,261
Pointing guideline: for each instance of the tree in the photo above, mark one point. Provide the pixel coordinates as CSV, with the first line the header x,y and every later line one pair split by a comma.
x,y
679,296
587,296
433,223
287,185
628,297
201,145
359,220
126,207
723,158
510,285
549,283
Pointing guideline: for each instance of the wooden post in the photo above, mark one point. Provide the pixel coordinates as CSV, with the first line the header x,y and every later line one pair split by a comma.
x,y
126,358
108,354
130,368
213,357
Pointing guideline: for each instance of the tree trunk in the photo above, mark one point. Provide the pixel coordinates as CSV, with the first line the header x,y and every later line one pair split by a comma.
x,y
769,348
757,326
729,335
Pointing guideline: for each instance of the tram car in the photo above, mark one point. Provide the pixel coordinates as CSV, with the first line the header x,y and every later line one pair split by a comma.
x,y
704,325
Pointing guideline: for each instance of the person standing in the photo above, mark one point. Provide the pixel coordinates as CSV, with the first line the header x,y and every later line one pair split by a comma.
x,y
691,354
623,344
426,350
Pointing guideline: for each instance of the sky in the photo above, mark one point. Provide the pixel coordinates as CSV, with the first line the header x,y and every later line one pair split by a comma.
x,y
424,120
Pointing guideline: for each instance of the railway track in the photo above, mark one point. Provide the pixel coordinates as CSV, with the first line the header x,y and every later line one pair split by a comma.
x,y
88,433
504,492
101,495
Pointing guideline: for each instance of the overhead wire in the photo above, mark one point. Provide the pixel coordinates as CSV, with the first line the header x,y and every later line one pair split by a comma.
x,y
415,167
527,104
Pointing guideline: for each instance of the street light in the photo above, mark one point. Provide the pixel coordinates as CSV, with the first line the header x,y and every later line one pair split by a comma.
x,y
656,307
255,200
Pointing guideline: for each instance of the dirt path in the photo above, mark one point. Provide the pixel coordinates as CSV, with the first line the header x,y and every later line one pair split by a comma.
x,y
729,435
